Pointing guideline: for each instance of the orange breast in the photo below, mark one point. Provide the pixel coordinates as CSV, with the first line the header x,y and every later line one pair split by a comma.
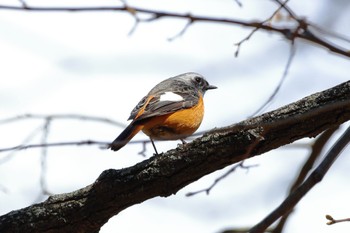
x,y
177,125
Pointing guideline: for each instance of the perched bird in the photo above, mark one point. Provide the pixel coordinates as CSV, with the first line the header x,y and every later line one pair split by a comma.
x,y
172,110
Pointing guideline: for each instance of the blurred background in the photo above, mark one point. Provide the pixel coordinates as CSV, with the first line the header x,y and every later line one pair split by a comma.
x,y
88,63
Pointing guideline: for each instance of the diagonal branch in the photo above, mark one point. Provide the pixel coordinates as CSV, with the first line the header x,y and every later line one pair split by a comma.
x,y
280,83
317,148
89,208
315,177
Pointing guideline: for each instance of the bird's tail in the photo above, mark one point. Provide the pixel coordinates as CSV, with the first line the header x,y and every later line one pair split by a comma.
x,y
125,136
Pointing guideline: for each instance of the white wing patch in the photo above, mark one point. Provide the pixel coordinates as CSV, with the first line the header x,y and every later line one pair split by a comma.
x,y
170,96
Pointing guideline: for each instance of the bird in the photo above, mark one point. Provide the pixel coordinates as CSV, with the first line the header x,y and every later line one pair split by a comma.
x,y
172,110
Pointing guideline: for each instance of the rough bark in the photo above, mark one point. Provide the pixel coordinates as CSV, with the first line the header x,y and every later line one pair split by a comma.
x,y
87,209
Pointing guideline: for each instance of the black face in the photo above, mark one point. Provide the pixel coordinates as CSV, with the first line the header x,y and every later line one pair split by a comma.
x,y
202,84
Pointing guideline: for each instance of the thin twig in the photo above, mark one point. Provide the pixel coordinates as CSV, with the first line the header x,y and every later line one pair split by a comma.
x,y
31,135
286,8
43,157
61,116
24,145
24,4
55,144
239,44
103,145
239,3
283,78
189,23
257,138
316,176
217,180
49,118
333,221
329,33
144,149
133,28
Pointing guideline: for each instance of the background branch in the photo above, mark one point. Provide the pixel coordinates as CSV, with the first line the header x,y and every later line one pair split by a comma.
x,y
333,221
54,144
315,177
217,180
301,31
62,117
283,78
317,148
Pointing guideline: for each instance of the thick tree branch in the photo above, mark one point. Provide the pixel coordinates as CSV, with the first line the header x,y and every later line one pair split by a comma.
x,y
87,209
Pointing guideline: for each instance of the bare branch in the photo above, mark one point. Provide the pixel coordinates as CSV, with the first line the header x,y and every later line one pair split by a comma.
x,y
47,120
238,3
24,4
217,180
239,44
316,176
43,158
62,116
55,144
251,147
25,141
286,8
283,78
189,23
101,144
133,28
333,221
329,33
144,149
317,148
300,32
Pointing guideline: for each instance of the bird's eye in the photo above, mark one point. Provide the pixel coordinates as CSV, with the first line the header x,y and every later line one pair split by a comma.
x,y
198,80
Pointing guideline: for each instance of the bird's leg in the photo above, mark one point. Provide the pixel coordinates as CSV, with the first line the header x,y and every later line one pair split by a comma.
x,y
183,143
154,146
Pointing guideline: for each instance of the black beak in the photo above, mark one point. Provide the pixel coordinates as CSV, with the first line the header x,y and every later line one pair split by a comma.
x,y
209,87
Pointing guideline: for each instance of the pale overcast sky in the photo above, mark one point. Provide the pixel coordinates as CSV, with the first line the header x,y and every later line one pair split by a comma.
x,y
86,63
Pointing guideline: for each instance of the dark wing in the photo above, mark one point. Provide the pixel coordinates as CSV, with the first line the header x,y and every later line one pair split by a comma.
x,y
138,108
154,106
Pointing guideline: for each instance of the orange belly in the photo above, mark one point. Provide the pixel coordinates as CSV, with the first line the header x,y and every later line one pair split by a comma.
x,y
177,125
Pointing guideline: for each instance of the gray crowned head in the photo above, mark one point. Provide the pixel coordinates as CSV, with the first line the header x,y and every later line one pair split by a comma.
x,y
183,83
195,80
